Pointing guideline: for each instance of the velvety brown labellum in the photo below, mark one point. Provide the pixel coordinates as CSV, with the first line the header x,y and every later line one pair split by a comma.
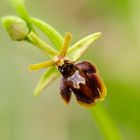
x,y
83,80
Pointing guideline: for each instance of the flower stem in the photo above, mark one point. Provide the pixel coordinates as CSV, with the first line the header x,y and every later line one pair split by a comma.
x,y
43,46
105,123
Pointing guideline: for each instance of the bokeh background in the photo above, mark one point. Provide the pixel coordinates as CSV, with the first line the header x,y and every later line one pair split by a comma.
x,y
116,54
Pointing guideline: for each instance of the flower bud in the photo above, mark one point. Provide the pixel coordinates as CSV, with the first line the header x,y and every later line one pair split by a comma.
x,y
16,27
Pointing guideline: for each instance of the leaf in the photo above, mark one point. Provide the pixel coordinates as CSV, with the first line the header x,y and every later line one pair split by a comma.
x,y
81,46
18,5
50,75
53,34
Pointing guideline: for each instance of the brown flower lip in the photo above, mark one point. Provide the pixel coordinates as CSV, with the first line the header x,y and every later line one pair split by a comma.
x,y
83,79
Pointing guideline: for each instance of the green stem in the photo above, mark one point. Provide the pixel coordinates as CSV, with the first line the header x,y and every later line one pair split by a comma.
x,y
105,123
43,46
53,35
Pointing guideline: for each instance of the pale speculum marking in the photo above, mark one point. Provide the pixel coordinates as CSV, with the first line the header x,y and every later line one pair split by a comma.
x,y
77,79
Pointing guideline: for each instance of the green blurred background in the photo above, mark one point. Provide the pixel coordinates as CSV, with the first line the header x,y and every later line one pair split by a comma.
x,y
116,54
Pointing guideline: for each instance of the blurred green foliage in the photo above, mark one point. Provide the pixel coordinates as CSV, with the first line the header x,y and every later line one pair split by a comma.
x,y
25,117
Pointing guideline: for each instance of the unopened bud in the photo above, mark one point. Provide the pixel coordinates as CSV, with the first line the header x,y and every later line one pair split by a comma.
x,y
16,27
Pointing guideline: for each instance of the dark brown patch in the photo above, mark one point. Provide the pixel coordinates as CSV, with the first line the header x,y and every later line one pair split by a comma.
x,y
87,94
65,91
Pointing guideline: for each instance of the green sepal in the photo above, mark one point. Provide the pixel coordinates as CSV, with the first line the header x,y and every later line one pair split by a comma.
x,y
52,34
49,76
81,46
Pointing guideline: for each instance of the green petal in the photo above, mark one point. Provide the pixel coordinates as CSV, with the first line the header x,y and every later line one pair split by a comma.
x,y
21,11
80,47
50,75
53,35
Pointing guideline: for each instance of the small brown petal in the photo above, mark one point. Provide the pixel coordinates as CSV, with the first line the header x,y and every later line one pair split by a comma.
x,y
96,80
65,91
86,67
94,89
86,95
